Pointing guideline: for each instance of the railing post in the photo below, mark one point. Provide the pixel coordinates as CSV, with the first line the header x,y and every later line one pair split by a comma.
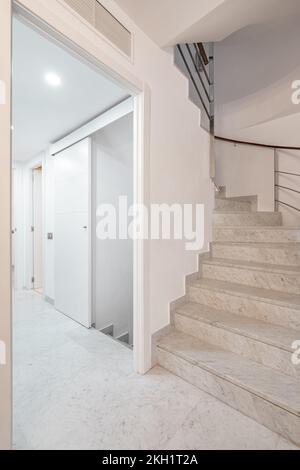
x,y
275,180
212,88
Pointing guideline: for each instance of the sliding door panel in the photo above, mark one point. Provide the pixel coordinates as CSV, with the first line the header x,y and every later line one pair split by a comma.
x,y
72,232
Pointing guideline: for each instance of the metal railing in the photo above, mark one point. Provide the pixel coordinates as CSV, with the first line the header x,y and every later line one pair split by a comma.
x,y
286,188
200,71
277,172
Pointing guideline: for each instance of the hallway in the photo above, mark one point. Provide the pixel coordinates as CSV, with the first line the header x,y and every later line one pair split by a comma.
x,y
75,389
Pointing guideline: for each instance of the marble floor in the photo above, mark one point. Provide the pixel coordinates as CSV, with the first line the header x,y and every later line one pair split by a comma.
x,y
75,389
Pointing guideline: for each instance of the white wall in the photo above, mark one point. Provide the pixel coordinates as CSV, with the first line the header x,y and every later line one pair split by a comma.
x,y
170,22
254,72
177,165
113,259
175,18
246,171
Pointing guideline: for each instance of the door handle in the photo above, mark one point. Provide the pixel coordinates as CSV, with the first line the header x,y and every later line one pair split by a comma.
x,y
85,227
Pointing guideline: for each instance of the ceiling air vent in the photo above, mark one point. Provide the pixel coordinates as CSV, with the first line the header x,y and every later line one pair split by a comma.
x,y
104,22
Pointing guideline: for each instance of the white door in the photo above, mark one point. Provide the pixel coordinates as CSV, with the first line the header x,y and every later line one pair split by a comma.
x,y
38,228
72,232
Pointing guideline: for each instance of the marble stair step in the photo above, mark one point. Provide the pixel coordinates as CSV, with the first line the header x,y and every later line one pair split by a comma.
x,y
261,275
287,254
250,234
265,343
247,218
269,397
267,305
232,205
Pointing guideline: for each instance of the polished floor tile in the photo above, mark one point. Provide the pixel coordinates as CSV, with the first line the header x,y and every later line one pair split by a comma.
x,y
76,389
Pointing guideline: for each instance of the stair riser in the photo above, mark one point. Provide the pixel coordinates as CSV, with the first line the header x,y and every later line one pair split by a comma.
x,y
285,256
249,307
249,348
221,234
265,280
271,416
248,219
225,204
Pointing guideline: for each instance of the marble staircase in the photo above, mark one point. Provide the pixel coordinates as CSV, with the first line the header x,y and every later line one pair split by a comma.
x,y
234,335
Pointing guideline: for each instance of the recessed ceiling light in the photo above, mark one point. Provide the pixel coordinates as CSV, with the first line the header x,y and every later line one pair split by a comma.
x,y
53,79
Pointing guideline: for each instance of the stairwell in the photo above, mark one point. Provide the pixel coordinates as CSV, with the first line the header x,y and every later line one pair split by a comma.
x,y
233,338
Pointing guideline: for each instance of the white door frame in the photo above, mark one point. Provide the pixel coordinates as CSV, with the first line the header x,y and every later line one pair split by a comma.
x,y
5,227
29,217
18,226
34,239
40,15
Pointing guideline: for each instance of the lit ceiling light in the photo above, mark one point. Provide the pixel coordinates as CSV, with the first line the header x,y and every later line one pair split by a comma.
x,y
53,79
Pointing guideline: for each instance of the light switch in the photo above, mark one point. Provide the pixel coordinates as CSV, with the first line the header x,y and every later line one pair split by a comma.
x,y
50,236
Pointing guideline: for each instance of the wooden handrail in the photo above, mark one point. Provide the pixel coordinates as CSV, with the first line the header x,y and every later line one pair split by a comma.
x,y
254,144
203,53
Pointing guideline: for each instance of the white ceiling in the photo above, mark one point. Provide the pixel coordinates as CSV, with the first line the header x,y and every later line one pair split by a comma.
x,y
41,114
170,22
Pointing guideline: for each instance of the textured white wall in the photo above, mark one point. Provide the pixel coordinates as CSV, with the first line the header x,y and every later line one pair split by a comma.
x,y
246,171
254,72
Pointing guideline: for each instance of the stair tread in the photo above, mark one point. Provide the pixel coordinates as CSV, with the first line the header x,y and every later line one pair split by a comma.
x,y
267,333
261,244
257,227
258,379
264,295
225,211
216,211
277,268
237,198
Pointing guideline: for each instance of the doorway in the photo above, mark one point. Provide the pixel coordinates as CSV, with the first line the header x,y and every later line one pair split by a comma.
x,y
14,229
68,156
75,158
49,234
37,229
